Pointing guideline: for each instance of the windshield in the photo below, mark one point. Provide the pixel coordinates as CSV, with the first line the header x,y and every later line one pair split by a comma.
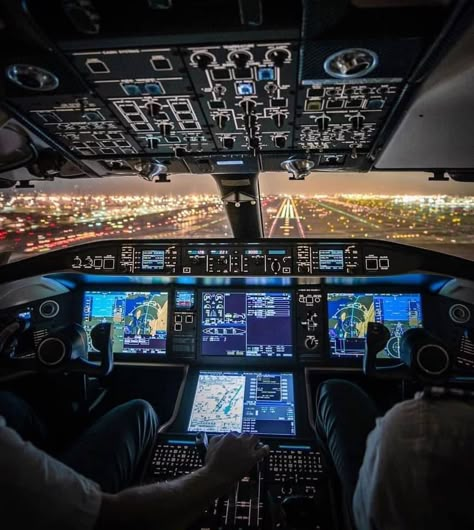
x,y
405,208
400,207
63,213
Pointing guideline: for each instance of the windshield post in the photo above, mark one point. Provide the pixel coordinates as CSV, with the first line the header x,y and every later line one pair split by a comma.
x,y
240,195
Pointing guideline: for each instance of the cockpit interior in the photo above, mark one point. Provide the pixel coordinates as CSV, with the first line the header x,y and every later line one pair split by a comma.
x,y
234,332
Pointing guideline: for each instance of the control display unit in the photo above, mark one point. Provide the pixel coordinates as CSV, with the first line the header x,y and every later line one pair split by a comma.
x,y
252,324
139,319
253,402
350,313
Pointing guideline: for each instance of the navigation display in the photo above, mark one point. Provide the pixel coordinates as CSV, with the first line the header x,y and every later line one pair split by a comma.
x,y
252,324
253,402
350,313
140,319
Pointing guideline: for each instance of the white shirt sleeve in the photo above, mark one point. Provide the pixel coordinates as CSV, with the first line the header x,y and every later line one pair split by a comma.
x,y
38,491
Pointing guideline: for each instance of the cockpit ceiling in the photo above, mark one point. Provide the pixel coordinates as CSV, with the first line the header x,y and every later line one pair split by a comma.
x,y
252,88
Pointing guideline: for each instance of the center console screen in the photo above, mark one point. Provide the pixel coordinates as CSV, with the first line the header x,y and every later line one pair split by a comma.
x,y
252,324
252,402
140,319
350,313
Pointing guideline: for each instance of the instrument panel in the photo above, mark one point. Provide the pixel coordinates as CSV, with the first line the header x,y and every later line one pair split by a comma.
x,y
275,258
218,100
221,302
260,325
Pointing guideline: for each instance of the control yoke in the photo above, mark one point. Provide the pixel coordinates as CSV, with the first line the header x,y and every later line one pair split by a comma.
x,y
66,351
423,356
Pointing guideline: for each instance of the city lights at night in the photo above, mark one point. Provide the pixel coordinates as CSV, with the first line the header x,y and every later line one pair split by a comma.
x,y
36,222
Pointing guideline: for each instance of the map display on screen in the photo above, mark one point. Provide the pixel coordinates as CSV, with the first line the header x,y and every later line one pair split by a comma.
x,y
140,319
350,313
254,402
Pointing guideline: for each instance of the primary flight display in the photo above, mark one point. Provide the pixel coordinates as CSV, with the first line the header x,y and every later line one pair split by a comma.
x,y
140,319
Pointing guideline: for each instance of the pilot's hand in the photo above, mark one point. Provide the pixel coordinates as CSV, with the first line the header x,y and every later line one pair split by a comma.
x,y
231,456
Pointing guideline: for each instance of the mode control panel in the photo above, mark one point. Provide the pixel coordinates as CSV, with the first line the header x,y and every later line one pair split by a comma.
x,y
259,261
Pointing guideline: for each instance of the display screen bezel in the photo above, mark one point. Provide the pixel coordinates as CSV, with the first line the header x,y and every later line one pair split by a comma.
x,y
337,360
183,414
120,355
248,360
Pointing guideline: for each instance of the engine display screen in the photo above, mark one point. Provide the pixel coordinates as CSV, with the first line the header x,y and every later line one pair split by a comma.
x,y
350,313
252,402
252,324
140,319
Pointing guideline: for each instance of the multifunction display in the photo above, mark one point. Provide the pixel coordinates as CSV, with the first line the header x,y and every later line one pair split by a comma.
x,y
252,324
139,319
350,313
252,402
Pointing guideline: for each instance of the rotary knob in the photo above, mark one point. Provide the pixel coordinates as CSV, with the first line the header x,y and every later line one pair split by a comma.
x,y
165,129
279,120
153,109
221,120
357,121
311,343
203,60
323,123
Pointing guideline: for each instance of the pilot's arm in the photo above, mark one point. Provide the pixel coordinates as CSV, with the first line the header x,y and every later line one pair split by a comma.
x,y
174,505
36,490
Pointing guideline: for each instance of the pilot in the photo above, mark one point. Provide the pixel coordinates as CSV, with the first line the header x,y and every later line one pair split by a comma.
x,y
91,485
411,468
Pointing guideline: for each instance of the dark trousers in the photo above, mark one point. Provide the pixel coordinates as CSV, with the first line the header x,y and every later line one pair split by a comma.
x,y
112,452
345,415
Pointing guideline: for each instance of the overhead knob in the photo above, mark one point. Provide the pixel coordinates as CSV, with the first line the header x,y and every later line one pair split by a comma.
x,y
240,59
254,142
203,60
248,106
357,121
152,143
153,109
323,122
278,57
221,120
165,129
279,119
250,121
